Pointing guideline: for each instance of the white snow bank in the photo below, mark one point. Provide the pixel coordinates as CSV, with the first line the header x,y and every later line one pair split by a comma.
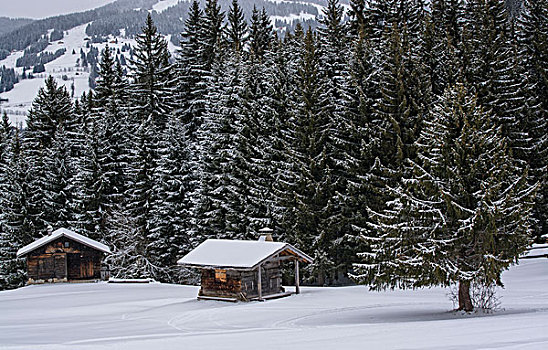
x,y
160,316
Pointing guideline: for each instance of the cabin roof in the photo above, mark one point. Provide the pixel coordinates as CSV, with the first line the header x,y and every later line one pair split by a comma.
x,y
238,254
63,232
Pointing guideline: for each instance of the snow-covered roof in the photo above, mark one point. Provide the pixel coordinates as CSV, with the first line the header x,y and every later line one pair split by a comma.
x,y
63,232
237,254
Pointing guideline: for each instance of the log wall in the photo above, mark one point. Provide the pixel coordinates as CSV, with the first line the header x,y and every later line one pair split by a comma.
x,y
242,284
63,260
213,287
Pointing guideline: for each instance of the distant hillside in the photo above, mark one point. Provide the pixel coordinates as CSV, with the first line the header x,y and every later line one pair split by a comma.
x,y
10,24
67,46
31,33
170,21
127,16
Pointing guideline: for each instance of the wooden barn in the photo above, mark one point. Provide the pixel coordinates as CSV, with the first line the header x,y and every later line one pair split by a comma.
x,y
64,256
243,270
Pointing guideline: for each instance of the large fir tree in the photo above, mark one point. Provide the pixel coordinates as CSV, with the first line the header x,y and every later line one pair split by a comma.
x,y
462,216
49,111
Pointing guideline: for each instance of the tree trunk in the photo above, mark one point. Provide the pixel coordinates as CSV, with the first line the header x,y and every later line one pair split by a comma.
x,y
465,302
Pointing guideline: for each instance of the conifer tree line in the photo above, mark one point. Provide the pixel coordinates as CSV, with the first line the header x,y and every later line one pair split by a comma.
x,y
404,144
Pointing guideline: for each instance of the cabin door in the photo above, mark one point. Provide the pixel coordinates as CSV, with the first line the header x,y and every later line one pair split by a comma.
x,y
79,267
73,264
86,267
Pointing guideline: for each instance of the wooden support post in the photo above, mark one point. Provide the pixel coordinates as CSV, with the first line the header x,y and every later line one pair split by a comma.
x,y
297,278
259,283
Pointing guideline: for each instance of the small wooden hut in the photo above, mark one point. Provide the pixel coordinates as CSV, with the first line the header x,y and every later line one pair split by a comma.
x,y
235,270
64,256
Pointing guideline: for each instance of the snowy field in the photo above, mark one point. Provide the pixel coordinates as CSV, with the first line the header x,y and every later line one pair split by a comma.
x,y
161,316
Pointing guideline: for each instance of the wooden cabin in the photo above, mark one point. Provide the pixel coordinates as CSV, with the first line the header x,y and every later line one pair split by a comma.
x,y
64,256
235,270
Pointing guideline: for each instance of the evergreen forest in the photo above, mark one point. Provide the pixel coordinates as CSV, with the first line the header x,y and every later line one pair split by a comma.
x,y
402,143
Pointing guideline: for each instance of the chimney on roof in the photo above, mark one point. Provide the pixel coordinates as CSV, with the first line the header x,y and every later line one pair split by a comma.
x,y
266,235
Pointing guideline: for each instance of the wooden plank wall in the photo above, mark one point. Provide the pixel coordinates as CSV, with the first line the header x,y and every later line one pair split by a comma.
x,y
271,279
57,262
47,266
214,288
242,284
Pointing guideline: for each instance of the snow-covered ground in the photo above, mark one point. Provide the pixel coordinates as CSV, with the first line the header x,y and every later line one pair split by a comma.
x,y
161,316
537,250
47,8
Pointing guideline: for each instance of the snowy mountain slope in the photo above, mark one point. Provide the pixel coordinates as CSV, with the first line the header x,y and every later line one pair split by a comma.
x,y
64,69
163,5
20,98
43,9
162,316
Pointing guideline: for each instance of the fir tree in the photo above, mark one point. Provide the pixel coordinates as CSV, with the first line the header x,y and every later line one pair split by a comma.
x,y
17,228
341,143
310,123
211,38
49,111
112,124
360,93
141,196
191,71
7,256
356,22
260,33
464,214
105,80
90,215
255,144
402,103
282,101
169,238
218,211
441,43
151,97
236,30
533,55
151,90
58,188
